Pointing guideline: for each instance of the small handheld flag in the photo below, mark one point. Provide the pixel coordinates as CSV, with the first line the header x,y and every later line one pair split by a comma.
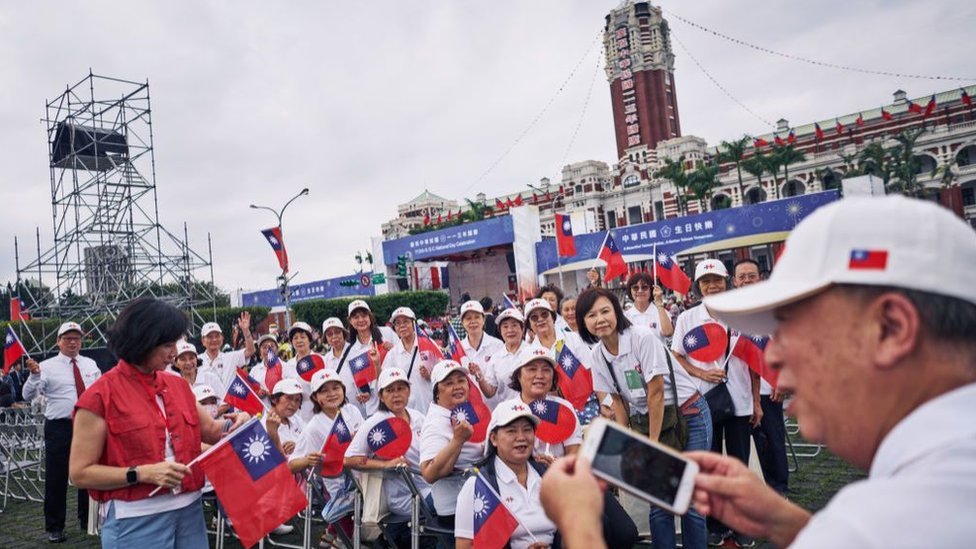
x,y
13,349
507,303
751,349
363,371
273,235
671,275
334,449
477,416
273,373
493,522
557,423
576,381
390,438
706,343
308,365
455,351
240,395
610,253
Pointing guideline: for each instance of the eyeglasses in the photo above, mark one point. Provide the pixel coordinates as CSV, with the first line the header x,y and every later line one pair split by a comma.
x,y
747,276
641,288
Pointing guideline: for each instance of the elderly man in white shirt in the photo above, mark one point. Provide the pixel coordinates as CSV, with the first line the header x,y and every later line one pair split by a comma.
x,y
224,364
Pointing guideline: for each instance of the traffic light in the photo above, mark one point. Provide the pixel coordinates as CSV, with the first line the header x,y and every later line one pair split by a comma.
x,y
401,269
283,287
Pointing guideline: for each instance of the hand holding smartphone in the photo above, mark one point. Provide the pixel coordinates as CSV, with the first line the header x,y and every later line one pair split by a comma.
x,y
636,464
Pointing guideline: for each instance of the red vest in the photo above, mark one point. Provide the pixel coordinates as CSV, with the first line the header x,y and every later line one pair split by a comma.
x,y
135,428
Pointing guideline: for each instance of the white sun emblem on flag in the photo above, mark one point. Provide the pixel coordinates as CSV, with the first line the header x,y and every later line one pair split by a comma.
x,y
377,436
274,241
480,506
340,428
239,389
257,449
539,407
691,341
461,415
567,225
662,258
567,363
10,339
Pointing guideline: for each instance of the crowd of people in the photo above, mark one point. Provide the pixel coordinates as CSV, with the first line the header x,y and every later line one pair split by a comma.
x,y
849,342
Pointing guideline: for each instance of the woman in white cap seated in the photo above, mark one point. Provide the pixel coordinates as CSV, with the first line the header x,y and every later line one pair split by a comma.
x,y
378,435
365,335
187,365
283,424
445,447
300,337
536,382
494,379
510,472
416,361
478,346
337,358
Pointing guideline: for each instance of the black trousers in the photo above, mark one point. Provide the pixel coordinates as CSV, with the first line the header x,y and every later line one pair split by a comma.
x,y
57,445
770,439
735,432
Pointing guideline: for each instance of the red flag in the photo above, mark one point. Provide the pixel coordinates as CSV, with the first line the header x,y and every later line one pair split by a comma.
x,y
791,138
759,142
706,343
273,372
966,100
886,115
750,349
493,522
450,215
557,422
16,310
778,140
914,107
839,127
499,204
477,416
518,200
930,108
252,481
334,449
610,253
426,219
671,275
575,380
438,219
273,235
819,132
308,365
363,371
426,345
565,243
455,351
508,203
251,382
13,349
390,438
860,119
240,395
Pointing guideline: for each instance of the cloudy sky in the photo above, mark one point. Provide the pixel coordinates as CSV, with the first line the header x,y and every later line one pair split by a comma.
x,y
369,103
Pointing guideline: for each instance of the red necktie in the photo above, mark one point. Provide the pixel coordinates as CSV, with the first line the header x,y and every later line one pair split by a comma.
x,y
79,383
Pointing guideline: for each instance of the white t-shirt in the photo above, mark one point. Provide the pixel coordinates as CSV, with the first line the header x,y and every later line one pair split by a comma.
x,y
640,358
921,489
437,432
521,502
421,390
398,495
318,429
288,432
740,381
223,366
650,318
499,374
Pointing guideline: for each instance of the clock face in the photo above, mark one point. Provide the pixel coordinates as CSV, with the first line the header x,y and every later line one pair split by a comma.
x,y
631,180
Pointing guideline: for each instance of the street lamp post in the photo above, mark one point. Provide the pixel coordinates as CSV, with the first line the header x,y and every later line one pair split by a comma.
x,y
283,279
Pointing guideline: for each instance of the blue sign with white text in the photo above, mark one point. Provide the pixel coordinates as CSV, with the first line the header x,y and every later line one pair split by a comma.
x,y
343,286
460,238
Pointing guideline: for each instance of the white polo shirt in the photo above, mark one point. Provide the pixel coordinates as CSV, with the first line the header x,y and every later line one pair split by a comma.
x,y
317,430
482,356
921,491
640,358
223,365
651,318
288,432
398,495
521,502
56,380
499,374
358,347
421,390
436,433
740,381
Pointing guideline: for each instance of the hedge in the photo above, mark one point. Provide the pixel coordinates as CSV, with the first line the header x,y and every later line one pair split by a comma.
x,y
425,304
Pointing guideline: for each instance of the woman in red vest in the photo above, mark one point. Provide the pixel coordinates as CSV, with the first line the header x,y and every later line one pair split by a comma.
x,y
137,428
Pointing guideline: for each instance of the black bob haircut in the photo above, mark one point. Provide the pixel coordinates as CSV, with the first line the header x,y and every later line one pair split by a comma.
x,y
585,302
143,325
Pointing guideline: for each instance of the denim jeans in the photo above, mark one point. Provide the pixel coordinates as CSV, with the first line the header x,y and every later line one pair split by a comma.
x,y
178,529
694,535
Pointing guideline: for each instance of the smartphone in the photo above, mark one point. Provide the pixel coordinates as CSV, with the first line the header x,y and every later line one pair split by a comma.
x,y
636,464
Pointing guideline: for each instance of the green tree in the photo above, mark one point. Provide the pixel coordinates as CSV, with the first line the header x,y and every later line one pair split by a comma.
x,y
675,173
702,183
734,151
905,166
945,175
874,160
784,156
756,166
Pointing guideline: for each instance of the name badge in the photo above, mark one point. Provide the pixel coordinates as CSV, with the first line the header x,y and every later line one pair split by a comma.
x,y
635,383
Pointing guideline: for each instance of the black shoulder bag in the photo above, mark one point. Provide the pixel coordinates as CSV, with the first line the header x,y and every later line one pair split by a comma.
x,y
718,397
674,425
342,360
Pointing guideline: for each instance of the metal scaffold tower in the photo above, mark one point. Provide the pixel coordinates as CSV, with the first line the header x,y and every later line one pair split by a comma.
x,y
109,247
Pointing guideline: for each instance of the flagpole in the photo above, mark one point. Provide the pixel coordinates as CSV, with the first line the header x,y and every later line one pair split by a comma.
x,y
655,265
502,503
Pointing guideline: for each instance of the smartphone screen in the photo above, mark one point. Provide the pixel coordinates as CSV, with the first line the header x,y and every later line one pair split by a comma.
x,y
638,464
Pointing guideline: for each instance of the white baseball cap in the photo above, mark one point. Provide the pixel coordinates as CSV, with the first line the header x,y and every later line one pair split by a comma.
x,y
710,267
210,327
443,369
891,241
70,327
472,305
303,326
183,346
358,304
512,313
332,322
389,376
403,311
322,377
287,386
267,337
535,352
537,303
508,411
203,392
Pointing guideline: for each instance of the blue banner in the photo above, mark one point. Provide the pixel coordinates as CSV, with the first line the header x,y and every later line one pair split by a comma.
x,y
343,286
460,238
733,227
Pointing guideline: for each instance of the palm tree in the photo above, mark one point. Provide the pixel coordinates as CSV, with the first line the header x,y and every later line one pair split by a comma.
x,y
756,166
702,182
785,156
945,174
675,173
874,160
476,210
734,151
773,164
905,165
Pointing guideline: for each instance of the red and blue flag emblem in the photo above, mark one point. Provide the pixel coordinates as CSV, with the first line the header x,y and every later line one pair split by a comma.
x,y
241,396
576,381
363,371
334,450
308,365
390,438
706,343
273,373
493,522
751,350
671,275
477,416
455,351
876,260
565,243
273,235
13,349
557,422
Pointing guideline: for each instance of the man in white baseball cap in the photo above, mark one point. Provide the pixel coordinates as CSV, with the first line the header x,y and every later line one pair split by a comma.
x,y
873,314
224,364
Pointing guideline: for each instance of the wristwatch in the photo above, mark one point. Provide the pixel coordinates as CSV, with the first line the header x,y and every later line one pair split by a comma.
x,y
131,476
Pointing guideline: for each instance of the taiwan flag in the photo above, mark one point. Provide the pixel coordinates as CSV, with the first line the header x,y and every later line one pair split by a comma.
x,y
251,382
565,243
241,396
493,523
671,275
477,416
818,131
759,142
610,253
874,260
334,449
930,107
706,343
278,245
576,381
390,438
750,349
13,349
455,351
252,481
507,303
308,365
363,371
273,372
886,115
427,345
557,422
